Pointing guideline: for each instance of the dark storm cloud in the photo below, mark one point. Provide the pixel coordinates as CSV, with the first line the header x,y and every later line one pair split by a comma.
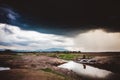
x,y
5,44
7,14
66,17
14,43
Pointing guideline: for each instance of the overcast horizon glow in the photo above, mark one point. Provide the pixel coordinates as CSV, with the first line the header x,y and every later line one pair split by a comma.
x,y
97,40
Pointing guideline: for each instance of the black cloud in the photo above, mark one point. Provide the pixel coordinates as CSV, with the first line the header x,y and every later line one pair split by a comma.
x,y
67,16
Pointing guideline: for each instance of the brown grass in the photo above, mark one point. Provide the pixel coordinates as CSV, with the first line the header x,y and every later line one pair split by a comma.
x,y
28,74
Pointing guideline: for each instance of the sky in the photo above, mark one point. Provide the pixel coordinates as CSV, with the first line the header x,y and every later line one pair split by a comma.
x,y
87,26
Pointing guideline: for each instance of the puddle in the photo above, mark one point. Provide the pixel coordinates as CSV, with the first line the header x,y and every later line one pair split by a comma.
x,y
4,68
86,70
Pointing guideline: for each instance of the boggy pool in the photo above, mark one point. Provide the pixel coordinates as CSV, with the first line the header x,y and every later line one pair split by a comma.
x,y
89,72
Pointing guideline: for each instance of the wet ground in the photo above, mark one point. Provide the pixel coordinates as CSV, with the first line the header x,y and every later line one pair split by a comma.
x,y
89,72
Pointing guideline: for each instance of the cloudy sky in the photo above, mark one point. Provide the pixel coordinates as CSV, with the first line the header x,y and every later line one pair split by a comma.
x,y
63,25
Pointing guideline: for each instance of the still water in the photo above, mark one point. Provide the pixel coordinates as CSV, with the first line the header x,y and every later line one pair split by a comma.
x,y
4,68
86,70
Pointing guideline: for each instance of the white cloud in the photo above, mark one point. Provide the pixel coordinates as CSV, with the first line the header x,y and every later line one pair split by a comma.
x,y
12,37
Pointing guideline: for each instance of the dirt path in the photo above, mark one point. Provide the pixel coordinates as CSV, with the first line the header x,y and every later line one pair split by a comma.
x,y
30,61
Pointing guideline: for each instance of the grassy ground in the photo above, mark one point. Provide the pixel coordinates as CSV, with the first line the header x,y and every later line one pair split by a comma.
x,y
69,56
38,66
30,67
54,72
28,74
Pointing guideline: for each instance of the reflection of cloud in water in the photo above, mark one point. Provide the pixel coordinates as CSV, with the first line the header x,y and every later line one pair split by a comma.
x,y
86,70
4,68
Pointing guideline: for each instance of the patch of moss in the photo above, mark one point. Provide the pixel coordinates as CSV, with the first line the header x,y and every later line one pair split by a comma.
x,y
50,70
54,72
68,56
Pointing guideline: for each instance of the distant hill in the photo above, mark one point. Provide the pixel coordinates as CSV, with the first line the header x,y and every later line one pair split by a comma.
x,y
40,50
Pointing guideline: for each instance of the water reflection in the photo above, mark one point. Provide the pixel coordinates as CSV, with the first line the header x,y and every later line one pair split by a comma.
x,y
84,66
4,68
86,70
